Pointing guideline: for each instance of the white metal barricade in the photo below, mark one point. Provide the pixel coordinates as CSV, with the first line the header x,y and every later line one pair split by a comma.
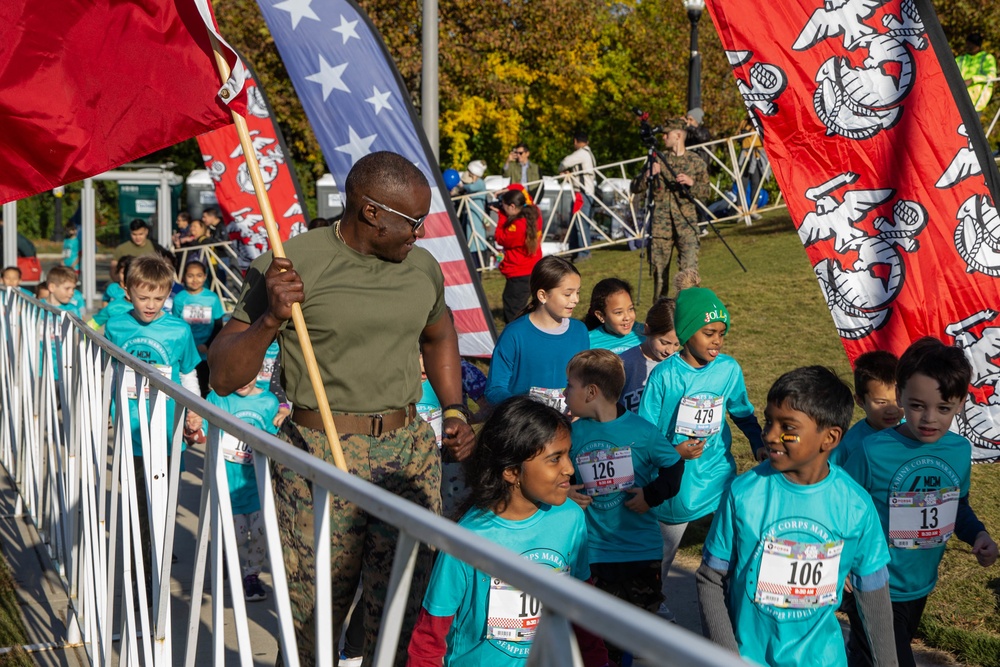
x,y
67,444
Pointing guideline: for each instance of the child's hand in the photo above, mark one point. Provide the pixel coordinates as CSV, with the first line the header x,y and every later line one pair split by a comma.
x,y
637,503
985,549
581,499
691,449
203,349
847,585
282,415
192,422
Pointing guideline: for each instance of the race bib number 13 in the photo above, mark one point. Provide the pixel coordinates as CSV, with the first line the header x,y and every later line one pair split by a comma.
x,y
513,615
798,575
922,519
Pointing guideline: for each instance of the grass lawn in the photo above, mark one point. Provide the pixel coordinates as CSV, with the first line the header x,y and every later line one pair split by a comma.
x,y
779,322
12,632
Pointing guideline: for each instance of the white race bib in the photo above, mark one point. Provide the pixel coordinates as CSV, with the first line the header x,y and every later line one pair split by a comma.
x,y
235,450
554,398
798,575
266,371
700,417
513,615
130,383
922,519
433,417
606,471
193,314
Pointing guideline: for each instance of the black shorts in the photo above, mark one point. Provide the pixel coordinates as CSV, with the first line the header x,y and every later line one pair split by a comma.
x,y
637,582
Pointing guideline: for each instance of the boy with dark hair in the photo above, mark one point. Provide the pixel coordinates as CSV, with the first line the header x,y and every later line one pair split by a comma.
x,y
787,535
623,467
875,393
12,278
918,475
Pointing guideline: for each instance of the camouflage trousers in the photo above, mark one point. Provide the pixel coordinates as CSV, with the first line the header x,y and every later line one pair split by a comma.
x,y
405,462
669,231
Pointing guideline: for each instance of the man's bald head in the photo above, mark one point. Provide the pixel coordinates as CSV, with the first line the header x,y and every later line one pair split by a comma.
x,y
379,174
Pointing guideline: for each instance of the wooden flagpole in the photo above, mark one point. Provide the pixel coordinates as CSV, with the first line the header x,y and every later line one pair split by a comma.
x,y
279,251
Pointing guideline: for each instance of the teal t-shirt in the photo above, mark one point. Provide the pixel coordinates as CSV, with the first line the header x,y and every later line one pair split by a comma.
x,y
705,394
852,440
75,305
113,308
553,537
778,541
71,252
269,366
259,411
609,457
915,488
167,343
113,291
602,339
199,310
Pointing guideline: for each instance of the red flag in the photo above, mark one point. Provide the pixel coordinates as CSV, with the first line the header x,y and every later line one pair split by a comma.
x,y
887,175
88,86
238,205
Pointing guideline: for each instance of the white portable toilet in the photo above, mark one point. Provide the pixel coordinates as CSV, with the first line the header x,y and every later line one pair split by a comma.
x,y
200,192
329,203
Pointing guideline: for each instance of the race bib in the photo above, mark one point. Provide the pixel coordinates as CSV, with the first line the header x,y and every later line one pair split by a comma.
x,y
513,615
700,417
922,519
433,417
266,371
130,383
606,471
554,398
798,575
235,450
193,314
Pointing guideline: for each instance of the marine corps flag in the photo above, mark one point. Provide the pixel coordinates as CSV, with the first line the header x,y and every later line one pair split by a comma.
x,y
887,175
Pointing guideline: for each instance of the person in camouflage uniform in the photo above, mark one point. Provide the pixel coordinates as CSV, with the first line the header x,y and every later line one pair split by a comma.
x,y
373,295
675,218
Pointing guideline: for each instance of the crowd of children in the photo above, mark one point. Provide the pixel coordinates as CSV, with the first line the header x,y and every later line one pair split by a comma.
x,y
631,422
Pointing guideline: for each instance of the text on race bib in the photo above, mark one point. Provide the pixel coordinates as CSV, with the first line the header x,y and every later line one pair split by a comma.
x,y
235,450
130,382
604,471
193,314
798,575
266,371
700,417
554,398
433,417
922,519
513,615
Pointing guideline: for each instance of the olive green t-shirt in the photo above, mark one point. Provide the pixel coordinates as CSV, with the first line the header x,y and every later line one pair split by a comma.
x,y
364,317
129,248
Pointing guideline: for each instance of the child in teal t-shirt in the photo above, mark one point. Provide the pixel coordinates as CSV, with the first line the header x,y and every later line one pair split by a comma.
x,y
788,534
611,318
71,249
624,466
115,301
202,310
258,408
639,361
467,616
875,393
918,476
687,396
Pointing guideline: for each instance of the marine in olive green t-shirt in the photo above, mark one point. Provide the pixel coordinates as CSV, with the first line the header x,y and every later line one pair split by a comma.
x,y
364,317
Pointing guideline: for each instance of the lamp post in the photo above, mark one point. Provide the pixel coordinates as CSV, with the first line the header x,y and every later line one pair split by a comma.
x,y
429,75
694,9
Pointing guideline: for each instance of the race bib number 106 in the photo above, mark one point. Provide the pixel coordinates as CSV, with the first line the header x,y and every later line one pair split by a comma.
x,y
513,615
798,575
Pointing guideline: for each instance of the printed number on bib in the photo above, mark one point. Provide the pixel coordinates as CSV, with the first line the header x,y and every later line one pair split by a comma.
x,y
433,417
130,384
554,398
700,417
193,314
266,371
513,614
606,470
798,575
235,450
922,519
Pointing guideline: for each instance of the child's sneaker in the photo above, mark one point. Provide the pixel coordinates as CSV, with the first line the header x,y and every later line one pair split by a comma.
x,y
344,661
253,590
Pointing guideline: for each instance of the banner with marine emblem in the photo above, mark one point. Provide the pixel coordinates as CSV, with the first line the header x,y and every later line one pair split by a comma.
x,y
223,156
887,173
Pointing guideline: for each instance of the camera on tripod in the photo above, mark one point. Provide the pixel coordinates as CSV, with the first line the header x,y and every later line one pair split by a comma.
x,y
647,133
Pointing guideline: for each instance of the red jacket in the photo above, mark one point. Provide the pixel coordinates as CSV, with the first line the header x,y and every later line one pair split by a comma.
x,y
516,260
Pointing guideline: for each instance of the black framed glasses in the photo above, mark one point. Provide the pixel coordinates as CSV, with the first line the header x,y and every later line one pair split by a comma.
x,y
416,223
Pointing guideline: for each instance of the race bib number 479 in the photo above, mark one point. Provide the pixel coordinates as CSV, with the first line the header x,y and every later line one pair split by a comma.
x,y
700,417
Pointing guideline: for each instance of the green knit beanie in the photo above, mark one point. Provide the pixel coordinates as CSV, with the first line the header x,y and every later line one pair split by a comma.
x,y
696,308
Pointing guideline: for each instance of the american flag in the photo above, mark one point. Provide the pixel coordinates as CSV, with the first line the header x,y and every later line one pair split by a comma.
x,y
357,104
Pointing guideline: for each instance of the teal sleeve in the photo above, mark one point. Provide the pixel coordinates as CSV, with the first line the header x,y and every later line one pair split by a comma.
x,y
217,311
501,370
448,587
738,401
581,565
190,358
719,545
856,466
872,554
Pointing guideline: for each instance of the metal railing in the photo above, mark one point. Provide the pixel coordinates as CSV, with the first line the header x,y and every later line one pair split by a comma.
x,y
68,449
219,259
616,215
